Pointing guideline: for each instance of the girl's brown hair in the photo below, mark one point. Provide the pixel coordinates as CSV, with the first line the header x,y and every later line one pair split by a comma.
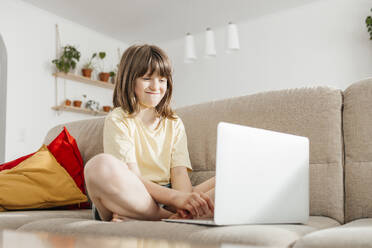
x,y
136,61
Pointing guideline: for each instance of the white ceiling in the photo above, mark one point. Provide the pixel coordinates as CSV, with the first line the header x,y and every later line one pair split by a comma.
x,y
160,20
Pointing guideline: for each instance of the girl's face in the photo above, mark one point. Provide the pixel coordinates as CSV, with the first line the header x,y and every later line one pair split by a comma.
x,y
150,89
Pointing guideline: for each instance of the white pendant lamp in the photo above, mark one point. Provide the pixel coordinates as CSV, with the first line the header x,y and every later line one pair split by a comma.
x,y
210,48
190,55
232,38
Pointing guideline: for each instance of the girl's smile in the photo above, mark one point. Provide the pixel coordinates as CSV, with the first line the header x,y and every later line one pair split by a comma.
x,y
150,89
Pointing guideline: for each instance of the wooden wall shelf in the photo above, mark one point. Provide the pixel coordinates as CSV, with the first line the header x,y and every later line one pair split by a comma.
x,y
79,110
81,79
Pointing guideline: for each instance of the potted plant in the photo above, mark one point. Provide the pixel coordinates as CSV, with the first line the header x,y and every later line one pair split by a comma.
x,y
103,76
83,99
67,102
68,59
106,108
88,67
112,76
77,103
369,25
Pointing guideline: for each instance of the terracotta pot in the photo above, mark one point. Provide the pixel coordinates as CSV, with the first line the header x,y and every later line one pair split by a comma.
x,y
106,108
77,103
67,102
104,76
87,72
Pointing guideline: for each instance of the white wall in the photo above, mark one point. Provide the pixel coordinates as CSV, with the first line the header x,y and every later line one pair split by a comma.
x,y
29,34
3,76
323,43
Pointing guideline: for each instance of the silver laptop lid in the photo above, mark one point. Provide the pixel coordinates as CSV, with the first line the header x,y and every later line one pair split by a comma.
x,y
262,176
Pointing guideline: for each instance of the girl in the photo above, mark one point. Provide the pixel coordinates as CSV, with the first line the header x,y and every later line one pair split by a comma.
x,y
145,161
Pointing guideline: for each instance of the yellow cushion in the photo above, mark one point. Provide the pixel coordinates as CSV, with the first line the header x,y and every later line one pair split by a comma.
x,y
38,182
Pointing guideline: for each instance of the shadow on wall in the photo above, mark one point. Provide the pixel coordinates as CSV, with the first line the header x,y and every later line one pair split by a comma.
x,y
3,82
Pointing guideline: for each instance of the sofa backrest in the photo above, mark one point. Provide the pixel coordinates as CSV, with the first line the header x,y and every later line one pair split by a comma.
x,y
357,121
311,112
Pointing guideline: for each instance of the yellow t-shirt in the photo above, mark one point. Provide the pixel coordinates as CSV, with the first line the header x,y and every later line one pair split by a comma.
x,y
154,151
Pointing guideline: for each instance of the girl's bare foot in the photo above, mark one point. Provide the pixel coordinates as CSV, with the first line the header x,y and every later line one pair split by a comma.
x,y
175,216
119,218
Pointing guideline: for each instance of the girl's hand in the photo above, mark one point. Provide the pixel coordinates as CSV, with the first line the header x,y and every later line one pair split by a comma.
x,y
198,204
181,214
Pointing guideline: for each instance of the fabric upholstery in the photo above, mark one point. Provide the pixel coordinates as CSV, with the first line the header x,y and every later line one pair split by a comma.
x,y
198,177
356,234
311,112
357,120
278,235
38,182
15,219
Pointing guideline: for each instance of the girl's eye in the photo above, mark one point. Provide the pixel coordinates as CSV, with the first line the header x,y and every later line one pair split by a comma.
x,y
163,80
146,79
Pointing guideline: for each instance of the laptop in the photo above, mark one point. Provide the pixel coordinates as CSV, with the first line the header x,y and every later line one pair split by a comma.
x,y
262,177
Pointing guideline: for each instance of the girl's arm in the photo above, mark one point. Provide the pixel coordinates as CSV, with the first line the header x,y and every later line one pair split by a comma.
x,y
180,179
181,182
193,202
160,194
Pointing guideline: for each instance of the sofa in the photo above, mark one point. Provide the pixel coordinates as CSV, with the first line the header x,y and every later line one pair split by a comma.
x,y
339,126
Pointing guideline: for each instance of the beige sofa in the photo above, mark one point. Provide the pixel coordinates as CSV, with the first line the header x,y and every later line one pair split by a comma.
x,y
339,126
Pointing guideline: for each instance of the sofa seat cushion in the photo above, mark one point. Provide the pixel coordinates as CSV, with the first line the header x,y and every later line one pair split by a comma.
x,y
15,219
278,235
263,235
357,233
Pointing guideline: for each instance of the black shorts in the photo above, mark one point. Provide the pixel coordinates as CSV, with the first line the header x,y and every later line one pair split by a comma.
x,y
96,214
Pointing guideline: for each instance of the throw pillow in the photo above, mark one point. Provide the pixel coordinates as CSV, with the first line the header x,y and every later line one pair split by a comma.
x,y
14,163
38,182
65,150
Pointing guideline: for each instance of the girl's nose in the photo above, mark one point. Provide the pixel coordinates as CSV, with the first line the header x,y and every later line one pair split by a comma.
x,y
155,84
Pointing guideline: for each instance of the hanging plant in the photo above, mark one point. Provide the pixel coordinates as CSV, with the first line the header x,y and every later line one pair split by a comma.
x,y
68,59
369,25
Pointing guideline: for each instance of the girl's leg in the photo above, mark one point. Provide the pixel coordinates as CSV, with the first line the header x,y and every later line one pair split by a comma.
x,y
206,186
113,188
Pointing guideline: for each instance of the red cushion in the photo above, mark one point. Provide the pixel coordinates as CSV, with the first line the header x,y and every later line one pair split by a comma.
x,y
65,150
11,164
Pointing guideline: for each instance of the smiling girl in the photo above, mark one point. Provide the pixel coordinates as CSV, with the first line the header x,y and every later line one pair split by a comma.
x,y
143,172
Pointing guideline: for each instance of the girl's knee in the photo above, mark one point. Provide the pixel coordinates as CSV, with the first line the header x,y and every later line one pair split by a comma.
x,y
103,166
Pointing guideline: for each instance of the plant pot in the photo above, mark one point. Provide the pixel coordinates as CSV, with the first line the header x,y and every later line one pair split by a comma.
x,y
86,72
67,102
106,108
104,76
77,103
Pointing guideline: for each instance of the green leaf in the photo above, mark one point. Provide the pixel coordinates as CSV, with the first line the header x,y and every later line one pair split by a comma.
x,y
102,55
